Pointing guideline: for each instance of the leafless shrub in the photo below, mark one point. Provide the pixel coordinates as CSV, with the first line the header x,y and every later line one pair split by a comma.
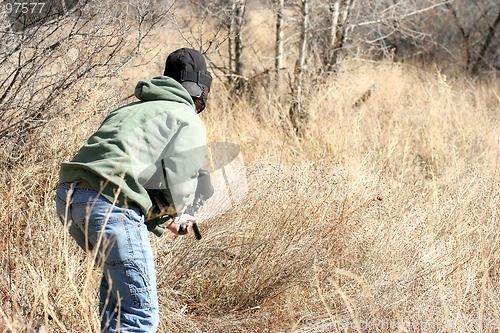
x,y
43,60
387,210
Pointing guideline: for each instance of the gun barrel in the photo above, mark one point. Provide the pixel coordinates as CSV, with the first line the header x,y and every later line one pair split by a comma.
x,y
204,191
196,230
197,233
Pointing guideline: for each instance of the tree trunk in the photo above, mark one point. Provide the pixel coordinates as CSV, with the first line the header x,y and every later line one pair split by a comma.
x,y
463,34
298,115
302,50
334,21
238,40
485,46
338,31
278,60
230,37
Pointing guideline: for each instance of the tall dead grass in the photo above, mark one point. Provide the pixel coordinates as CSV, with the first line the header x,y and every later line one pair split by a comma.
x,y
384,213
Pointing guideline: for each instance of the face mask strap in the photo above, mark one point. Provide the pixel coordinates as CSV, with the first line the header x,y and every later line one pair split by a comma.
x,y
202,78
201,101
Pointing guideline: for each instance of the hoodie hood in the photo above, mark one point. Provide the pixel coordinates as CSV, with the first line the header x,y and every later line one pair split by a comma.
x,y
162,88
123,157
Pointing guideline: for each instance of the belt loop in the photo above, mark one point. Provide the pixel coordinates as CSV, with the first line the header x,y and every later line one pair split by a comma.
x,y
69,201
71,191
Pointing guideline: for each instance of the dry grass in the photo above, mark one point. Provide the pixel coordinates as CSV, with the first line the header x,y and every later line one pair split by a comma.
x,y
383,213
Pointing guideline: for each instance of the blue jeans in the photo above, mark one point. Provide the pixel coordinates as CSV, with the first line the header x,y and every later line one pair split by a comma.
x,y
128,300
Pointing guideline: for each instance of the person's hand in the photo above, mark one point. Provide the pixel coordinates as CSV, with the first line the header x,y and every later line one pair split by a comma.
x,y
180,220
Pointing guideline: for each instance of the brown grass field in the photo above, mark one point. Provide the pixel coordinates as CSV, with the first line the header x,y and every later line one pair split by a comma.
x,y
382,218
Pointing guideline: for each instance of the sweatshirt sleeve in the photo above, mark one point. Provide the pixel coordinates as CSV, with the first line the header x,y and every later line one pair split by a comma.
x,y
181,161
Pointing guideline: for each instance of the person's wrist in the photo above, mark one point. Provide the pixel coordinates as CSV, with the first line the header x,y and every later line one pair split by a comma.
x,y
172,221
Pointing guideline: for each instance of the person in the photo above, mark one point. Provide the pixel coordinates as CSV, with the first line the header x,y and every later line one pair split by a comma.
x,y
104,194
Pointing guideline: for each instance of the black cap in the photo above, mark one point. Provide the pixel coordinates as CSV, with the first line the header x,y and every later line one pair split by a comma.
x,y
188,67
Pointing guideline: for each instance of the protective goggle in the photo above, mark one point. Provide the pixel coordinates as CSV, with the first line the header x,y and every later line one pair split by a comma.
x,y
202,78
198,86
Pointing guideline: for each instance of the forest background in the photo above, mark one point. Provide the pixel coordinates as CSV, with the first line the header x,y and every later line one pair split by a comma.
x,y
369,132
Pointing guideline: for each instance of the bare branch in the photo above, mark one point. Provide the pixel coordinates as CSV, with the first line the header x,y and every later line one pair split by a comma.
x,y
404,16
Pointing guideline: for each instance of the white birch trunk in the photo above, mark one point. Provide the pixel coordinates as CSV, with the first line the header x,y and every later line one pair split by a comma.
x,y
278,61
238,47
335,11
230,38
302,53
298,116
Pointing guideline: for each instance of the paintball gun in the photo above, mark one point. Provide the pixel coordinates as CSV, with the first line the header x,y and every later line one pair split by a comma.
x,y
163,211
204,191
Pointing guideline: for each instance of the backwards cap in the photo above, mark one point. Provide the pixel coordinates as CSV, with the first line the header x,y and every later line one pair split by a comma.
x,y
188,67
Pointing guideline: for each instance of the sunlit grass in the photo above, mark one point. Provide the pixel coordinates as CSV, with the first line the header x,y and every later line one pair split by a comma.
x,y
386,211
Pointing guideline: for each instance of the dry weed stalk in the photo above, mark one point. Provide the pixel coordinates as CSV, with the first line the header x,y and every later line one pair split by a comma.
x,y
388,211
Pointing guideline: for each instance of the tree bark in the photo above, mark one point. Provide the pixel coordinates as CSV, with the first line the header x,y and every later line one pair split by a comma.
x,y
298,115
278,60
341,37
230,37
334,21
302,50
464,35
486,45
238,41
339,14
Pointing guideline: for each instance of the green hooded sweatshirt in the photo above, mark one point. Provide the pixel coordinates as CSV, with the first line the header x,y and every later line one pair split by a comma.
x,y
157,143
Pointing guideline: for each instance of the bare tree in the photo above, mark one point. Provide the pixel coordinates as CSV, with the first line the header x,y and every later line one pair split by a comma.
x,y
329,26
477,49
43,59
298,115
230,42
278,60
405,30
431,31
238,37
229,16
334,22
235,44
340,11
399,30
